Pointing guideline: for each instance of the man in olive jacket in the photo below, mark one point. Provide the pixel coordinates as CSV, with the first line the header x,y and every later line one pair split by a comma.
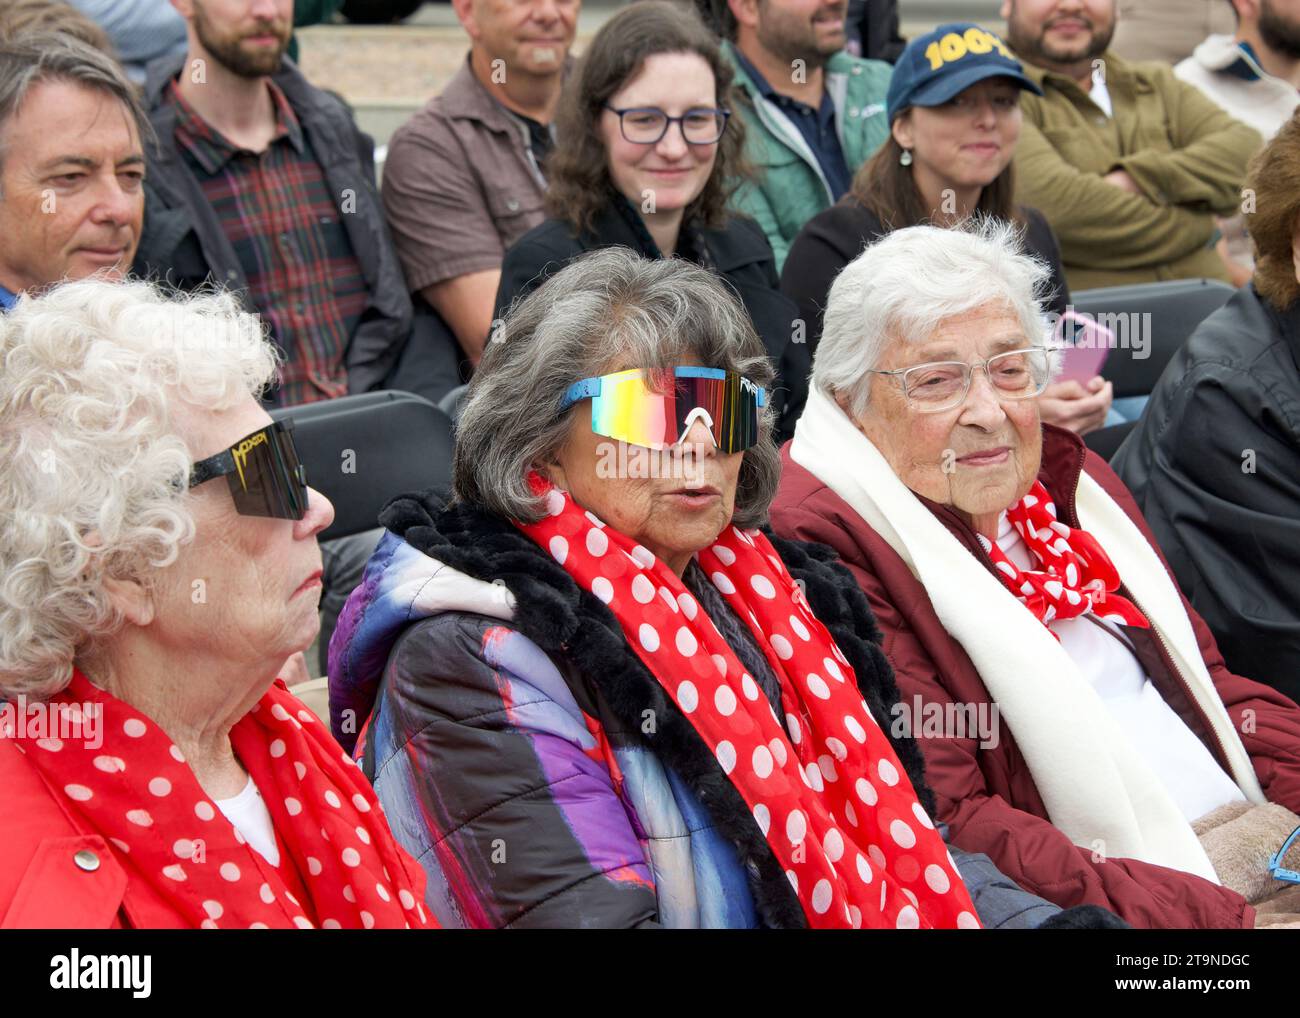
x,y
1129,164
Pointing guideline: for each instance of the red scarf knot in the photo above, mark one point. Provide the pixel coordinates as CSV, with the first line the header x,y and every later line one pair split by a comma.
x,y
1075,577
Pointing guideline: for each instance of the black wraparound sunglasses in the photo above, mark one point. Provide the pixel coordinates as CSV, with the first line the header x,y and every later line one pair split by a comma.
x,y
265,475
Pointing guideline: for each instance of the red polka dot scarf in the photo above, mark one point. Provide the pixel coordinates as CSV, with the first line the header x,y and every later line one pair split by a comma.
x,y
825,788
1077,575
137,792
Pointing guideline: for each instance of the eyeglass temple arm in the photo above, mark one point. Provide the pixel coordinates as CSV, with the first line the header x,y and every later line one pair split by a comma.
x,y
1275,863
585,389
223,463
220,465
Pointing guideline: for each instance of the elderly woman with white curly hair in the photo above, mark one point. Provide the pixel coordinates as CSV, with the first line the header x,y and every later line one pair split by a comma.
x,y
1011,571
158,565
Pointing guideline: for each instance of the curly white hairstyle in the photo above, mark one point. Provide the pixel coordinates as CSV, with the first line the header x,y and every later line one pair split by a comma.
x,y
92,466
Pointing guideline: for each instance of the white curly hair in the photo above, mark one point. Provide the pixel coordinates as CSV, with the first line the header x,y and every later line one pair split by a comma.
x,y
93,468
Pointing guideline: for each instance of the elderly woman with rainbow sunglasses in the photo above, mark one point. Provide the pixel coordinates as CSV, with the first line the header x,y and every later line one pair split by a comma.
x,y
592,692
158,565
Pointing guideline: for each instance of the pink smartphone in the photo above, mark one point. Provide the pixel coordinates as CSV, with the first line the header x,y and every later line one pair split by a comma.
x,y
1083,357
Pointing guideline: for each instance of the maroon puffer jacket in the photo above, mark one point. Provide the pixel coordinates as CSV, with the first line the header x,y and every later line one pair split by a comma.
x,y
988,797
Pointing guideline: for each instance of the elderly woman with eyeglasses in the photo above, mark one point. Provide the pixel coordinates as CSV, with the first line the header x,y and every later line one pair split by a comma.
x,y
591,691
158,565
648,155
1010,571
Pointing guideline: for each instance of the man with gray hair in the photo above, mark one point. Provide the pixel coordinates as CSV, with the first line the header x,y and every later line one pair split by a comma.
x,y
71,165
263,184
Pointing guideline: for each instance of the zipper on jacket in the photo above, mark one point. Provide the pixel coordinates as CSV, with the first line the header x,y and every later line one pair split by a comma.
x,y
1072,518
1187,688
795,142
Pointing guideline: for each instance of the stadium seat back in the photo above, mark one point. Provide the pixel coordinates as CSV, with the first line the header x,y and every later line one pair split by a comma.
x,y
360,451
1151,322
450,404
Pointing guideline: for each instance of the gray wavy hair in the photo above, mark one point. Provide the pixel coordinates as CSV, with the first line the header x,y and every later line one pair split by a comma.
x,y
92,468
606,311
907,283
29,60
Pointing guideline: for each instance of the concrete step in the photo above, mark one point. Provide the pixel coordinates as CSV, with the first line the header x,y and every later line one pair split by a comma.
x,y
387,72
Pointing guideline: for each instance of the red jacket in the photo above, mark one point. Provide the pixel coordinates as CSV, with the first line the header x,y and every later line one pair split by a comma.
x,y
988,797
53,873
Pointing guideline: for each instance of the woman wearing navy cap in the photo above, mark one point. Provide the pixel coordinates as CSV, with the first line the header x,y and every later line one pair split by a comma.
x,y
954,112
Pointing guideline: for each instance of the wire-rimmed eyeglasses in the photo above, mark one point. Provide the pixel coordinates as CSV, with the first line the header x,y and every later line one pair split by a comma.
x,y
1275,867
942,385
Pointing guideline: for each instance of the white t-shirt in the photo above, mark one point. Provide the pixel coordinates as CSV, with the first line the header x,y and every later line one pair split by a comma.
x,y
250,817
1099,93
1101,651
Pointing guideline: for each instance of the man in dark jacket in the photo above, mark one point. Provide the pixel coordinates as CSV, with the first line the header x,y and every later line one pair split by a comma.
x,y
263,184
1215,461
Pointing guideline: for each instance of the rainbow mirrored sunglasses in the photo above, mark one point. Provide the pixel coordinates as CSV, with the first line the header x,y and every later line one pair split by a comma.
x,y
265,475
626,406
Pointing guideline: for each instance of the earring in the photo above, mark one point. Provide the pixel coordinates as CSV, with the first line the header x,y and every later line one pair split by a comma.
x,y
905,158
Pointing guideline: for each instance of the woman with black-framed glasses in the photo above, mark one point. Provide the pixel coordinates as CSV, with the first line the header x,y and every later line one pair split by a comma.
x,y
647,158
158,565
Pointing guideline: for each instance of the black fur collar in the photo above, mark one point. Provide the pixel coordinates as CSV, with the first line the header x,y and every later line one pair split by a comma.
x,y
565,620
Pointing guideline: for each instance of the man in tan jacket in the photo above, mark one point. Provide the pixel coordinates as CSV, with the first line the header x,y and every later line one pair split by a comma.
x,y
1129,164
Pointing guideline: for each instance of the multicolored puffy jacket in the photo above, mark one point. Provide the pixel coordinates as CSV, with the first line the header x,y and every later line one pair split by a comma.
x,y
535,768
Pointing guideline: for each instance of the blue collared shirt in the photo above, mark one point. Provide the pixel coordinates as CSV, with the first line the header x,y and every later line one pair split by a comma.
x,y
1243,68
7,300
816,125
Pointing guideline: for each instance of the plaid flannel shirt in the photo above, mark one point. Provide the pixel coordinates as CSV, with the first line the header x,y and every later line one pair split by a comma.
x,y
286,230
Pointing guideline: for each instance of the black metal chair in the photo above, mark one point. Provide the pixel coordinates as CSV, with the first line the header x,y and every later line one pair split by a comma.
x,y
1105,442
1151,320
450,403
362,450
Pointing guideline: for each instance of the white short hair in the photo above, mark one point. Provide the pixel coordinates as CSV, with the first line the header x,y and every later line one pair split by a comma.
x,y
906,284
93,471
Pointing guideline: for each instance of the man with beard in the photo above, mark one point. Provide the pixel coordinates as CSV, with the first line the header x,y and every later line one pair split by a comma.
x,y
472,160
1129,164
263,184
71,165
1254,74
813,113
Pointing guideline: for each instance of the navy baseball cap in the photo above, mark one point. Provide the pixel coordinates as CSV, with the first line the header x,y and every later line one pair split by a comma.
x,y
936,66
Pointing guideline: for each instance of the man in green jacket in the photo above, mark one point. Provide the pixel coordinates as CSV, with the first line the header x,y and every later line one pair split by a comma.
x,y
813,113
1129,164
